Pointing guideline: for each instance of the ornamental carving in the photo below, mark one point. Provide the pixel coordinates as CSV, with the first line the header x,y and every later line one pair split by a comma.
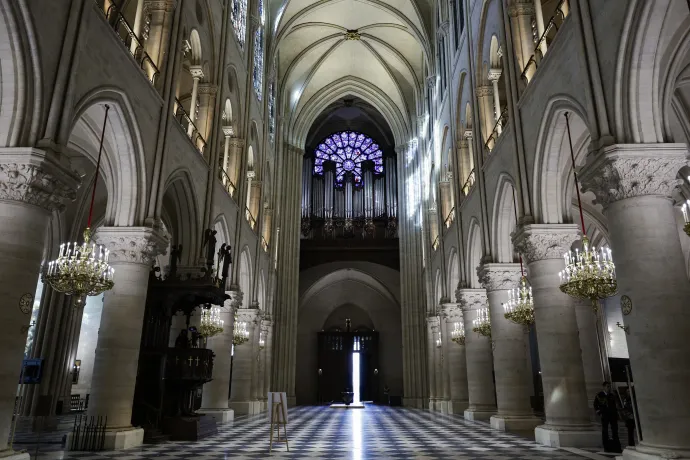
x,y
521,8
451,312
160,6
618,174
248,315
236,142
235,299
352,35
433,322
207,88
136,245
431,81
541,242
498,277
471,299
486,90
32,184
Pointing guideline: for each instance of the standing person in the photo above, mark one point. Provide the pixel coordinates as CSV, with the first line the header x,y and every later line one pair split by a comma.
x,y
628,415
386,394
606,407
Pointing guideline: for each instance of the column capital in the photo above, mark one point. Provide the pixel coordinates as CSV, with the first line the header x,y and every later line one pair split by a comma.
x,y
462,144
133,245
471,299
196,71
235,300
451,312
248,315
228,131
495,75
521,8
625,171
468,134
431,81
236,142
499,277
34,176
433,322
208,88
485,90
167,6
266,324
545,241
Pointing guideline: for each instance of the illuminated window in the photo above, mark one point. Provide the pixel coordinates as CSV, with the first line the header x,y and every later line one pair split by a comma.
x,y
348,150
259,54
238,14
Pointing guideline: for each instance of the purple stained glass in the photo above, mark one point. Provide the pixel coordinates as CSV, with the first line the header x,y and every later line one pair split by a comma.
x,y
348,149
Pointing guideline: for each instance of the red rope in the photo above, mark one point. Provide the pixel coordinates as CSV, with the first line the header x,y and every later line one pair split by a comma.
x,y
577,185
98,167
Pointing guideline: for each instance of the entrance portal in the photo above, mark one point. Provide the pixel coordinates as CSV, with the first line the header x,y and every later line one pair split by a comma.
x,y
348,362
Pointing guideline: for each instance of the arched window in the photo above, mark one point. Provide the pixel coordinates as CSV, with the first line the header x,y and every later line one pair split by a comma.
x,y
238,14
348,150
259,54
272,111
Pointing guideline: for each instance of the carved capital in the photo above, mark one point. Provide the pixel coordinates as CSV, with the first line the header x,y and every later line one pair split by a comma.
x,y
196,71
228,131
495,74
451,312
485,90
34,177
208,88
236,297
521,8
468,134
157,6
431,81
471,299
545,241
250,316
631,170
236,142
132,245
499,277
433,322
443,29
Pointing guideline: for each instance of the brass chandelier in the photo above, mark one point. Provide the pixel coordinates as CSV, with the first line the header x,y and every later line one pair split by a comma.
x,y
211,324
686,215
520,308
458,334
83,270
588,274
482,323
240,333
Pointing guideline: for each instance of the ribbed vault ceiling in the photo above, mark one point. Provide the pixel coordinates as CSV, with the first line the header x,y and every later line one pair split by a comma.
x,y
383,63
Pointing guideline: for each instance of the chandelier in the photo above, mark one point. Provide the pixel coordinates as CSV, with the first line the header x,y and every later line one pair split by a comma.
x,y
520,308
83,270
240,333
686,216
458,334
482,323
211,324
262,341
588,274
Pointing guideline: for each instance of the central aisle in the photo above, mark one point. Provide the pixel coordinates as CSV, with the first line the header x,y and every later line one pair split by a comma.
x,y
374,432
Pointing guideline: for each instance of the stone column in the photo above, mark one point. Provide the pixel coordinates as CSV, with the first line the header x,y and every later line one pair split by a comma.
x,y
512,371
431,333
227,133
480,382
32,185
132,252
197,75
244,367
136,28
457,363
565,397
206,95
485,98
634,184
521,12
587,325
266,355
539,18
214,400
160,15
236,146
494,76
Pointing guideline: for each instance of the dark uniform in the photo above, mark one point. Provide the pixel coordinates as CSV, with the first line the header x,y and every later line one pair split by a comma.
x,y
606,408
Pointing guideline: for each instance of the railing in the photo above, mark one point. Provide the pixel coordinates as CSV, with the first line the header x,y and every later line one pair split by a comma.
x,y
469,183
435,244
561,12
498,129
451,217
250,219
134,46
227,183
264,244
189,127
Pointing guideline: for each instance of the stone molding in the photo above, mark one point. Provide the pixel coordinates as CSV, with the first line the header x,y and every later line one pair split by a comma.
x,y
235,300
135,245
451,312
431,81
471,299
545,241
196,71
248,315
433,322
468,135
499,277
160,5
228,131
485,90
207,88
236,142
630,170
495,74
442,30
521,8
35,177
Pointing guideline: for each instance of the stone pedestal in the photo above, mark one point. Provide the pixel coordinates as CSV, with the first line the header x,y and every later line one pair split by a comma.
x,y
132,251
244,366
456,361
12,455
511,369
214,400
565,398
32,185
480,385
634,184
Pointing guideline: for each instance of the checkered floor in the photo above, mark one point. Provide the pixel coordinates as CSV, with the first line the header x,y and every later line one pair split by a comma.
x,y
321,432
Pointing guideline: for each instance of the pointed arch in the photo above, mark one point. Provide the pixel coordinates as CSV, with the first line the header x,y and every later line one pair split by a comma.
x,y
180,207
503,220
245,277
474,253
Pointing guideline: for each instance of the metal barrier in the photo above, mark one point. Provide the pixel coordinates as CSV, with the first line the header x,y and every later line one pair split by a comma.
x,y
88,433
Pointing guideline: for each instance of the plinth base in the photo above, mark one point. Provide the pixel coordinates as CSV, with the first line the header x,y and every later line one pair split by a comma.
x,y
480,415
10,454
567,437
117,439
457,406
221,415
515,423
247,407
642,452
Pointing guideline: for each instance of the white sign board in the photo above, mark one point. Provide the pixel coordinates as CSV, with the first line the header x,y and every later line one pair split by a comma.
x,y
273,399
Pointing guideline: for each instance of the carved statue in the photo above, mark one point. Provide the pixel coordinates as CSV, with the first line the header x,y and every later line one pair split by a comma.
x,y
210,245
175,255
227,261
219,260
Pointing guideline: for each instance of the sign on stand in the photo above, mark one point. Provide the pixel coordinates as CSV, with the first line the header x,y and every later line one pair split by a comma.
x,y
278,415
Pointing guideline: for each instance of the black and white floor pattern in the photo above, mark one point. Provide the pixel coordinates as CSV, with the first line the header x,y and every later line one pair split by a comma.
x,y
377,432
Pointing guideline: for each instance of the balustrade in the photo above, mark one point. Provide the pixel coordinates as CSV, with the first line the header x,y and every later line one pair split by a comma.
x,y
250,219
189,127
469,183
227,183
449,220
496,132
264,244
561,12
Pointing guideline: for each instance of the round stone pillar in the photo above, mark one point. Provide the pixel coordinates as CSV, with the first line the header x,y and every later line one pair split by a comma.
x,y
512,371
456,361
634,184
132,252
480,382
244,369
565,397
214,399
32,185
